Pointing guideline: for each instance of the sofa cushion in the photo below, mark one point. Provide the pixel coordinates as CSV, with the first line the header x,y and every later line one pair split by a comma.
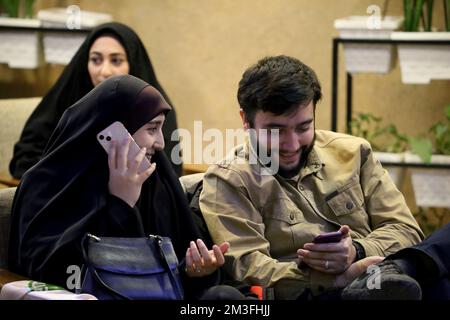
x,y
13,115
190,182
6,198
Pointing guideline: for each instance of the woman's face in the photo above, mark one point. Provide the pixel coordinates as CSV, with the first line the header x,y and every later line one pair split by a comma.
x,y
107,58
150,136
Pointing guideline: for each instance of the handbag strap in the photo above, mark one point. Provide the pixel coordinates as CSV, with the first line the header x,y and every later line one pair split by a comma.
x,y
173,279
176,284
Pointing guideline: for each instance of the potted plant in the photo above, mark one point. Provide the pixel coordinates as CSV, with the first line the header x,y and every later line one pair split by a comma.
x,y
386,141
376,58
421,63
19,48
433,147
17,8
431,187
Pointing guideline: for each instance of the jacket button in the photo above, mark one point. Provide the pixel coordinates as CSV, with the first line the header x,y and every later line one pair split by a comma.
x,y
301,188
349,205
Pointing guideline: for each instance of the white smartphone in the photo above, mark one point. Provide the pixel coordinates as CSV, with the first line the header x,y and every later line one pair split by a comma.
x,y
117,132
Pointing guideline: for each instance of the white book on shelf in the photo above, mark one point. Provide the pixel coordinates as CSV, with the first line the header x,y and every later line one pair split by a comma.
x,y
72,18
20,22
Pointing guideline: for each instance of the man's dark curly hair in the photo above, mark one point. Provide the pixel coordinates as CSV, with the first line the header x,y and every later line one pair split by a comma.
x,y
278,85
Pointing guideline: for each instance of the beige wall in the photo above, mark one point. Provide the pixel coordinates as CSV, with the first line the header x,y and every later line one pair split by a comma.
x,y
200,48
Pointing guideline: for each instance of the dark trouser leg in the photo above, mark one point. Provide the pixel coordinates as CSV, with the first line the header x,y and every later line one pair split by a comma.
x,y
433,252
438,290
222,292
430,260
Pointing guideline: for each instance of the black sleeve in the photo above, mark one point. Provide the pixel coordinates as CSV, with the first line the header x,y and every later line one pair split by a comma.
x,y
120,220
35,135
194,287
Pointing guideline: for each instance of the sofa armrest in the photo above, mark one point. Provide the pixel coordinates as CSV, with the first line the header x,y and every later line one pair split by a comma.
x,y
190,182
8,276
6,199
8,181
194,168
13,116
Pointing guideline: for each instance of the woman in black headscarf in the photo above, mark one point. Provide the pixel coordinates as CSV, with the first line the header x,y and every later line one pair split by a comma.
x,y
77,188
77,79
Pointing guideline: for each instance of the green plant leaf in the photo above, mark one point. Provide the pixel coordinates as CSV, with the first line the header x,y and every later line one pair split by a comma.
x,y
29,8
447,112
408,13
447,14
439,130
427,19
421,146
11,7
417,14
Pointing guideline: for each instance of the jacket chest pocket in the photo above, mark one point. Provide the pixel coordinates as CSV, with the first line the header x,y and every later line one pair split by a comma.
x,y
347,199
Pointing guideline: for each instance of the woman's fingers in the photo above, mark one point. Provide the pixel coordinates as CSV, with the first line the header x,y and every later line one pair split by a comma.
x,y
112,161
195,255
220,259
189,261
204,252
224,246
123,153
147,173
191,269
136,162
118,160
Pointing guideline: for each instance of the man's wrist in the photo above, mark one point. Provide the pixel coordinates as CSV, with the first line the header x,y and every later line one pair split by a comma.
x,y
360,252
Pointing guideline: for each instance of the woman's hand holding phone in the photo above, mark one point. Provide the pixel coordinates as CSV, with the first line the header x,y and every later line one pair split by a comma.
x,y
128,165
329,257
125,180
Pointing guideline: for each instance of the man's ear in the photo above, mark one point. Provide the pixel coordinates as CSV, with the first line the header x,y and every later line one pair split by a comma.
x,y
244,119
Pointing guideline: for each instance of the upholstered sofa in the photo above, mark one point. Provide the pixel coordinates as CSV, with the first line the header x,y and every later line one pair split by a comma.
x,y
13,115
6,197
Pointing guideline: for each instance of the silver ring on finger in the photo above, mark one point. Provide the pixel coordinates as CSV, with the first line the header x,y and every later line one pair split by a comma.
x,y
327,264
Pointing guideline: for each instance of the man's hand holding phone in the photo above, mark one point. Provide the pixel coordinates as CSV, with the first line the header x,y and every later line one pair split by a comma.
x,y
330,252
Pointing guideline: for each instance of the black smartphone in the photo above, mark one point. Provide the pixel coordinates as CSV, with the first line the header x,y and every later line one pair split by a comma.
x,y
328,237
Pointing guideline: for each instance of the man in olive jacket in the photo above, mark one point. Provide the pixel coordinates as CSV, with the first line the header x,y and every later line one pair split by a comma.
x,y
314,182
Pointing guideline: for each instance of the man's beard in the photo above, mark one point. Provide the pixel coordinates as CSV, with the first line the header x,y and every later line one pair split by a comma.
x,y
304,153
266,158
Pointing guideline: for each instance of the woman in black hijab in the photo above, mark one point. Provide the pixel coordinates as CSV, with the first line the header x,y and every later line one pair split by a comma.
x,y
78,188
75,81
